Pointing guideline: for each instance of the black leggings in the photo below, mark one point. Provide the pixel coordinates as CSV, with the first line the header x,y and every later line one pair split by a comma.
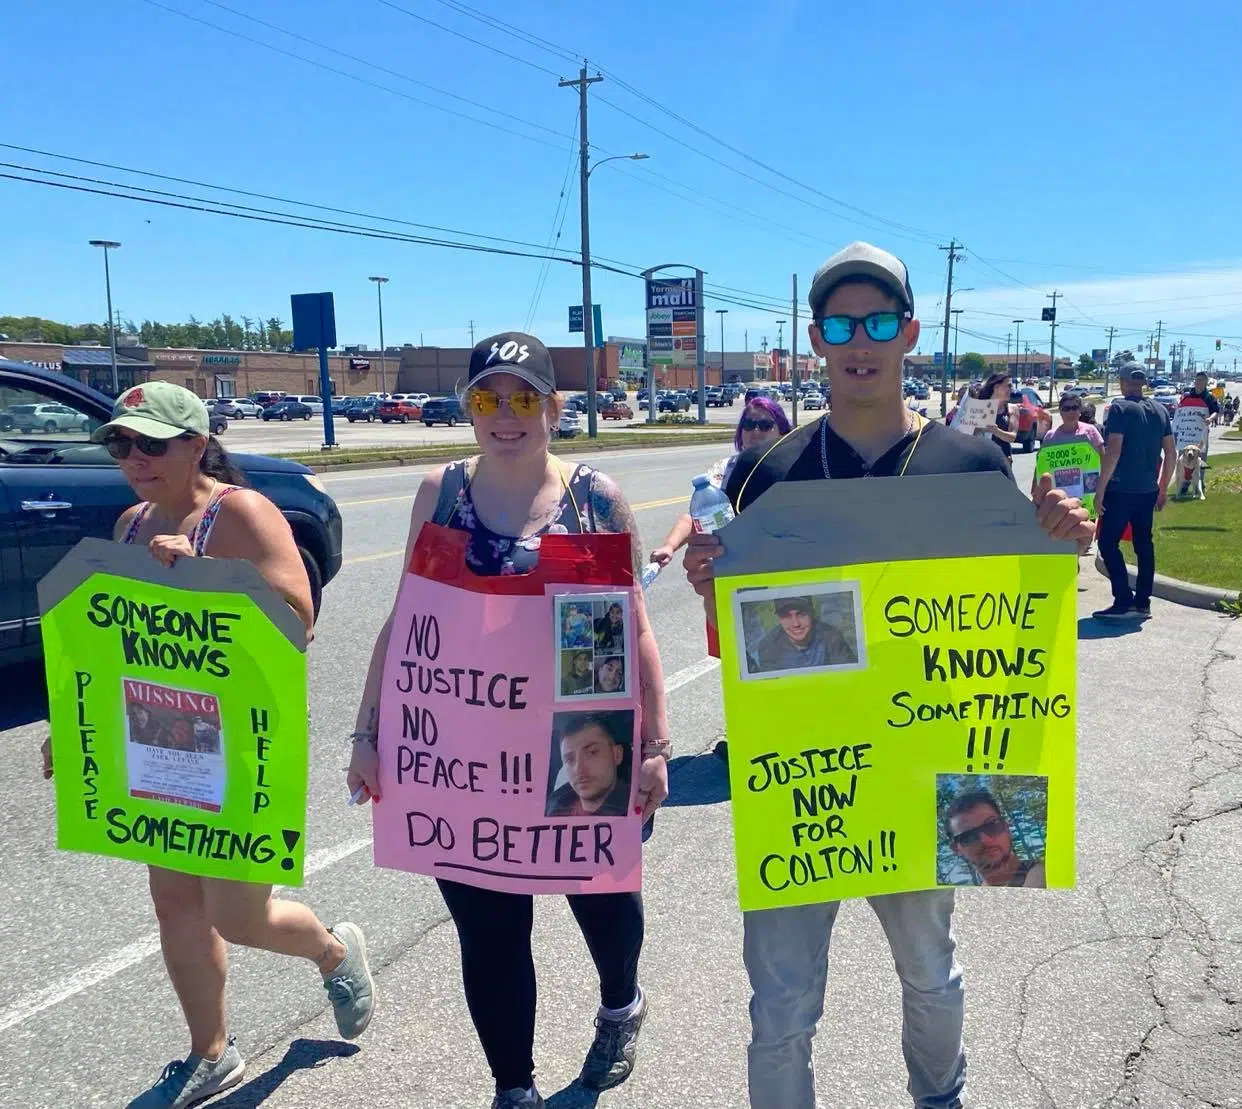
x,y
499,972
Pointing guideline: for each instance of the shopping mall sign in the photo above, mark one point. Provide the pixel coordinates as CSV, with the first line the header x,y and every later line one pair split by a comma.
x,y
674,308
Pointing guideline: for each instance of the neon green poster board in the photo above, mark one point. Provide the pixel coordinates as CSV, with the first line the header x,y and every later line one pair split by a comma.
x,y
1075,467
177,701
900,716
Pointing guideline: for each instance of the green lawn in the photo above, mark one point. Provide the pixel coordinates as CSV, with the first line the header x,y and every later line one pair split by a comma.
x,y
1201,541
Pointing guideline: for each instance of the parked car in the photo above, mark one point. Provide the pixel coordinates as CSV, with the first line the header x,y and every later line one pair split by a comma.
x,y
339,404
55,491
394,411
570,424
362,408
287,409
314,403
48,418
419,398
1033,420
268,397
234,408
616,410
813,400
673,402
444,410
715,398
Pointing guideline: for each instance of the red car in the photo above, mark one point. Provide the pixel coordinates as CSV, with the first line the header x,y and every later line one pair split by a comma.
x,y
616,410
1033,420
398,411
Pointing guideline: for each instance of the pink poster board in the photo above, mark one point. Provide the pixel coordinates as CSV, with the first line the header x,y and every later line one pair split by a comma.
x,y
505,762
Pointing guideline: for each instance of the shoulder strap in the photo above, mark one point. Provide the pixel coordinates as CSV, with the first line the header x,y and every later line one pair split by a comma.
x,y
759,462
451,485
136,522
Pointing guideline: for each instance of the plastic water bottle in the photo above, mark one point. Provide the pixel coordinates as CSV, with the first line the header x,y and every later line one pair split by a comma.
x,y
650,572
710,509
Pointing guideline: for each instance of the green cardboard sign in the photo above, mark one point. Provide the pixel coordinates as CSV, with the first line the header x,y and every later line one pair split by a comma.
x,y
177,701
1075,467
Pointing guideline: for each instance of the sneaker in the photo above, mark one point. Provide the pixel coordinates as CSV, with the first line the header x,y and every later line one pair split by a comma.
x,y
1142,609
611,1058
1115,611
518,1098
350,987
188,1081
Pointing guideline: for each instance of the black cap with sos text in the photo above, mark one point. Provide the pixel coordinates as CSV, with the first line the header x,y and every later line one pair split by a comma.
x,y
513,352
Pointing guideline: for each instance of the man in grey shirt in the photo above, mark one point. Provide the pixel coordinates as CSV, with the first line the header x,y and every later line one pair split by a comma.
x,y
1133,484
800,640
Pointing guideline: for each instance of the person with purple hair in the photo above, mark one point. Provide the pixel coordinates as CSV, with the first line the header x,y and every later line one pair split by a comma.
x,y
763,421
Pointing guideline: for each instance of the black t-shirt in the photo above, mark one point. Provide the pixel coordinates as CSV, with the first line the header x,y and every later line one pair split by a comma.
x,y
798,457
1143,425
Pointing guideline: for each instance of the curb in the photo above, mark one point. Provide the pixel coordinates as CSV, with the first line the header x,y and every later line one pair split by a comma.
x,y
1179,592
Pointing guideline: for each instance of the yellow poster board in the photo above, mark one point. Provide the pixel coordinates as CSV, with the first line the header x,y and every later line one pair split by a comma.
x,y
903,724
177,702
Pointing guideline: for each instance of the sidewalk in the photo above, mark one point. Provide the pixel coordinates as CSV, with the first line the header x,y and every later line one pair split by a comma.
x,y
1123,992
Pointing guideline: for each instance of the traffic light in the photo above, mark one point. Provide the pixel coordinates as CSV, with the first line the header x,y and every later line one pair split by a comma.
x,y
1218,344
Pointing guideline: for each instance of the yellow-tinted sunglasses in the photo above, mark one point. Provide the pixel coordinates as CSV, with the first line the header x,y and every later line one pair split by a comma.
x,y
486,402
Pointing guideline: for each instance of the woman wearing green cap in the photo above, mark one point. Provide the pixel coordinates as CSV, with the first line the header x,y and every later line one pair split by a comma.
x,y
194,505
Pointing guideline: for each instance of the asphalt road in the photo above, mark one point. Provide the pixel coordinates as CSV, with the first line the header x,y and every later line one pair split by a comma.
x,y
1124,992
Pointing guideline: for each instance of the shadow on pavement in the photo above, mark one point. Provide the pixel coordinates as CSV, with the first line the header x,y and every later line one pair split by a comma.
x,y
573,1096
25,695
302,1055
699,779
1090,628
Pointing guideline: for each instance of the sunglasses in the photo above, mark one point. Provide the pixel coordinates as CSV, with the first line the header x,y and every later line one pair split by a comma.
x,y
1070,408
881,327
971,836
120,446
486,402
749,423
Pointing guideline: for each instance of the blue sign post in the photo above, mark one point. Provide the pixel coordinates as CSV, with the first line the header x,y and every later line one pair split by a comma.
x,y
314,328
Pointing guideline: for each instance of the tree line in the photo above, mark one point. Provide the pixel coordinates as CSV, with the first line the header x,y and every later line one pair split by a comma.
x,y
223,333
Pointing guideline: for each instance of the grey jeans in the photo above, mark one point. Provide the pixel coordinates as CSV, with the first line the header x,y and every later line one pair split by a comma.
x,y
786,955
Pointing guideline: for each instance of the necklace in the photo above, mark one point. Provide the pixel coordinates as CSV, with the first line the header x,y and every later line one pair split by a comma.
x,y
823,446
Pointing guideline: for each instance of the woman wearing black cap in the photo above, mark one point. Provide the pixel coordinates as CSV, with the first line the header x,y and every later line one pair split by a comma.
x,y
507,496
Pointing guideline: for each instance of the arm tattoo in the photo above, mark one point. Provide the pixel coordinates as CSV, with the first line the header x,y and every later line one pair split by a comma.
x,y
614,515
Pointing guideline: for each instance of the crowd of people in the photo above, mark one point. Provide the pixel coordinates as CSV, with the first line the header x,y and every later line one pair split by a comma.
x,y
505,497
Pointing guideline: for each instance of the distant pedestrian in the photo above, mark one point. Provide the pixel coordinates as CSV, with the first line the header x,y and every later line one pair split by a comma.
x,y
998,388
1134,482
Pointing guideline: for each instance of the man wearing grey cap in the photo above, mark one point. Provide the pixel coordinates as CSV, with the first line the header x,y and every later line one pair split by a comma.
x,y
863,325
1133,484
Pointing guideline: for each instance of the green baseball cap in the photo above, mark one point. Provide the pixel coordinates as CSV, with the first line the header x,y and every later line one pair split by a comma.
x,y
159,409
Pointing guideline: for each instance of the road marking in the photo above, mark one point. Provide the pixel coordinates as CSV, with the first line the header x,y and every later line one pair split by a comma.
x,y
401,550
134,953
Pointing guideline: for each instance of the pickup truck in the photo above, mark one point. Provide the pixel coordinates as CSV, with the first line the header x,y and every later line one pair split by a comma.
x,y
58,487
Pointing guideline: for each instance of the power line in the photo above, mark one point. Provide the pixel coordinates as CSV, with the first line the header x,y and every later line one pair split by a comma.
x,y
362,80
554,236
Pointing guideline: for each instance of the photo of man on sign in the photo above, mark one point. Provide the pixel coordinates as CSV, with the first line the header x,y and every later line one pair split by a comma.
x,y
1001,842
794,633
591,763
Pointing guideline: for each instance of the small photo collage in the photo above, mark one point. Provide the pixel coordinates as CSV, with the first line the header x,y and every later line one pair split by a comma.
x,y
592,646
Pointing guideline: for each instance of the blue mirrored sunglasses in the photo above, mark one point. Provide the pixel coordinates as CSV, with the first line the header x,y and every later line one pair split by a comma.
x,y
881,327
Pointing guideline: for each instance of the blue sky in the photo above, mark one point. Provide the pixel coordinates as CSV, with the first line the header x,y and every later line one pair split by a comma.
x,y
1082,146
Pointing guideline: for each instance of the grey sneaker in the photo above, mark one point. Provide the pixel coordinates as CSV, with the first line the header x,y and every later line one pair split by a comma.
x,y
611,1058
517,1098
350,987
188,1081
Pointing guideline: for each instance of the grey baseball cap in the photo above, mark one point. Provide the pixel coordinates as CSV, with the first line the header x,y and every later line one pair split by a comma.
x,y
862,260
1134,371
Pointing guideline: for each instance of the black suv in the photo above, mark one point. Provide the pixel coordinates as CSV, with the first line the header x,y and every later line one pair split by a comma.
x,y
58,487
444,410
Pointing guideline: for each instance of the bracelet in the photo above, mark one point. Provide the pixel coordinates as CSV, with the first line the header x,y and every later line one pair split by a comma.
x,y
365,737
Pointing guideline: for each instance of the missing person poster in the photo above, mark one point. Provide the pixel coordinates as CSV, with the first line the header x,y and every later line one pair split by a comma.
x,y
177,702
899,694
1075,467
509,720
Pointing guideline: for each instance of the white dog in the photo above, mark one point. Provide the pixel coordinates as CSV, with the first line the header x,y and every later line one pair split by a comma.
x,y
1189,476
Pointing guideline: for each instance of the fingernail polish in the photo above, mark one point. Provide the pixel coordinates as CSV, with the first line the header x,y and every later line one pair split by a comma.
x,y
638,809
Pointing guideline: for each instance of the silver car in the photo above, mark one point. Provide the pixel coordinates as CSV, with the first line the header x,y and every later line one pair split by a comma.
x,y
43,417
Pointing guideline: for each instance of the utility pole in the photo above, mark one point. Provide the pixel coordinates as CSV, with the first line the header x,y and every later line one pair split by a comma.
x,y
109,244
1008,340
1109,359
957,318
746,340
1155,366
793,351
472,334
582,84
722,312
380,282
948,308
780,346
1051,316
1016,348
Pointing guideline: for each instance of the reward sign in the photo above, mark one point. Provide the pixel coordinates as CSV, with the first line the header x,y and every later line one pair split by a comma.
x,y
177,701
923,681
1190,426
509,720
1075,467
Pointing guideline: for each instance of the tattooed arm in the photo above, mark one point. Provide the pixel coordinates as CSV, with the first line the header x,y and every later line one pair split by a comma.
x,y
613,514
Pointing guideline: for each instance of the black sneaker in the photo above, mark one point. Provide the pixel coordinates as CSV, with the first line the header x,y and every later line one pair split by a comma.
x,y
1142,609
1115,611
518,1098
611,1058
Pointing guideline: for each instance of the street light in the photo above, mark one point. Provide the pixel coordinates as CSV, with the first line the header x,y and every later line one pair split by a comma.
x,y
107,245
588,315
780,345
380,282
722,312
1017,336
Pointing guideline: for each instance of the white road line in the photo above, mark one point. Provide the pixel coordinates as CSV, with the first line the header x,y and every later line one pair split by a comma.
x,y
134,953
